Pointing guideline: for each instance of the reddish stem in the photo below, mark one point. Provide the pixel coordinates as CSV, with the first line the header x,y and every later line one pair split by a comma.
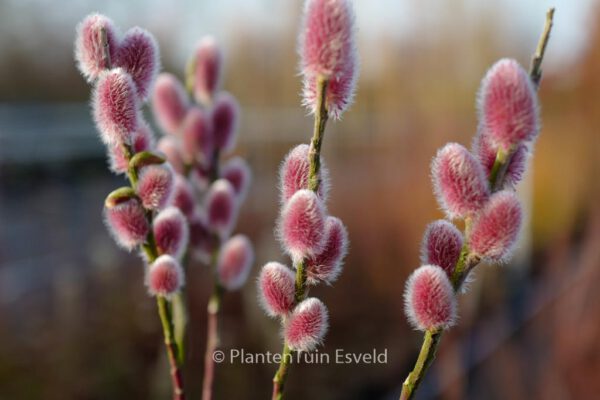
x,y
212,342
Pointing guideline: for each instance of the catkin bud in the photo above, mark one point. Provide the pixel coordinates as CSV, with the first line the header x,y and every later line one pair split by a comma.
x,y
183,196
221,207
171,232
307,325
90,52
442,244
169,146
294,172
225,117
198,140
327,265
115,107
328,51
495,231
143,140
429,299
207,69
164,277
127,223
238,173
508,104
459,181
516,166
155,186
138,55
302,224
235,261
169,103
276,289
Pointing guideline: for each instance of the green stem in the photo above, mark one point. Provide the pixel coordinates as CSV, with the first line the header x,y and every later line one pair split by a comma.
x,y
314,182
180,321
426,356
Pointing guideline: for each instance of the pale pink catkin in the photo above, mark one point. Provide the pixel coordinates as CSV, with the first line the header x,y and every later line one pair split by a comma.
x,y
302,225
328,51
429,299
276,289
508,105
115,107
326,266
164,277
208,69
235,261
459,181
89,48
138,55
307,325
169,103
495,231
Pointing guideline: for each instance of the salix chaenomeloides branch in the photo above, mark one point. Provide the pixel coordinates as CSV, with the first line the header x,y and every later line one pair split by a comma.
x,y
122,70
315,241
478,188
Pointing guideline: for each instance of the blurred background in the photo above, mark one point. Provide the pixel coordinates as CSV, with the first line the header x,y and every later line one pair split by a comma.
x,y
75,319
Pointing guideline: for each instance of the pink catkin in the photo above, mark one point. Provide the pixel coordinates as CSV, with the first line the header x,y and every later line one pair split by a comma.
x,y
155,186
170,147
508,105
143,139
294,171
276,289
89,49
127,223
171,232
183,196
328,50
327,265
429,299
208,68
302,225
138,55
202,242
220,207
238,173
115,107
235,261
516,166
459,181
164,277
198,140
225,117
442,244
485,151
307,325
495,231
169,103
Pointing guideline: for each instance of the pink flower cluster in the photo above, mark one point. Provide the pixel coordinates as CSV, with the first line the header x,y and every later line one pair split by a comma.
x,y
315,241
328,51
123,69
199,128
478,187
